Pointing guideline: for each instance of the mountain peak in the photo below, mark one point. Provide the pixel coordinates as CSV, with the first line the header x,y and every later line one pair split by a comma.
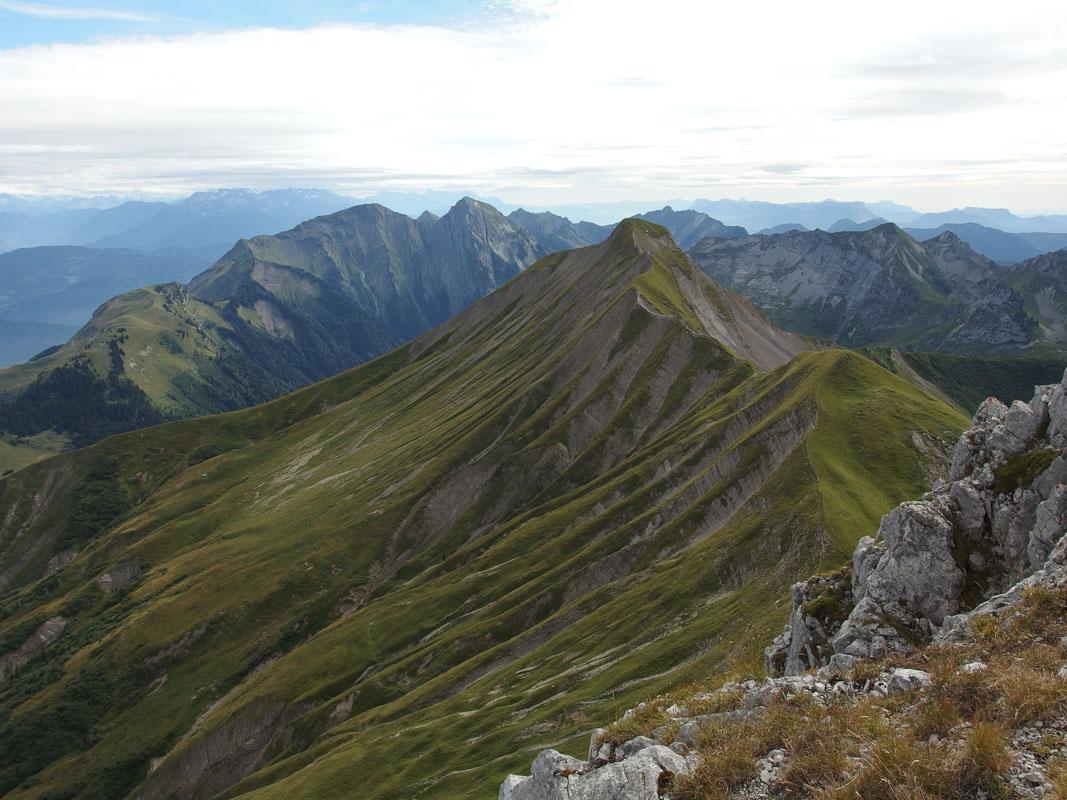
x,y
640,232
469,204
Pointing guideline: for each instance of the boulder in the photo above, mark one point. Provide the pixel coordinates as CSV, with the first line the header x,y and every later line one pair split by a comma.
x,y
633,746
902,680
917,575
646,775
596,742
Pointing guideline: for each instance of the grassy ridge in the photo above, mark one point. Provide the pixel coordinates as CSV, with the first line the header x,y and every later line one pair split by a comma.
x,y
447,559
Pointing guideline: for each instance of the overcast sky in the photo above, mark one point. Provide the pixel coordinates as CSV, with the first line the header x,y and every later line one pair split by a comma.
x,y
934,104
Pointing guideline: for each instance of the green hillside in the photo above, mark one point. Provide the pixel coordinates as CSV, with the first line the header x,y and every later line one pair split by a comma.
x,y
968,380
408,579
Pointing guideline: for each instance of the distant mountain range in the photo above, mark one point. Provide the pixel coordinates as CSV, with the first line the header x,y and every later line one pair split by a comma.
x,y
209,219
212,220
1004,248
277,312
999,218
756,215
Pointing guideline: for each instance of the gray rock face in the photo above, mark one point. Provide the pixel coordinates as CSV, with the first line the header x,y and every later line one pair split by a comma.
x,y
120,576
553,232
1043,281
917,571
999,522
554,776
873,286
805,643
340,289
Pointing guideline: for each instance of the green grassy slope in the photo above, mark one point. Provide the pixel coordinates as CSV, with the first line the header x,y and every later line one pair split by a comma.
x,y
409,578
968,380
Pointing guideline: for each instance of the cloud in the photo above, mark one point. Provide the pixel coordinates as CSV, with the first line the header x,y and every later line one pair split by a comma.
x,y
557,102
784,169
47,11
923,100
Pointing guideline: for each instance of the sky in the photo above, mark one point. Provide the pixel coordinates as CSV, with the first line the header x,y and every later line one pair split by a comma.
x,y
933,104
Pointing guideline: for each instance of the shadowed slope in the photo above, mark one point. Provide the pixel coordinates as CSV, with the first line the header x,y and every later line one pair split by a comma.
x,y
407,578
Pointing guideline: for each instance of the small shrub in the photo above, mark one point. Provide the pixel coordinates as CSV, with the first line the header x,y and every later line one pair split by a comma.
x,y
1030,694
729,760
934,718
1021,470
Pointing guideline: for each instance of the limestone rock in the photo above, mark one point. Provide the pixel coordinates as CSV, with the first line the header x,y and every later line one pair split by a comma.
x,y
643,776
917,572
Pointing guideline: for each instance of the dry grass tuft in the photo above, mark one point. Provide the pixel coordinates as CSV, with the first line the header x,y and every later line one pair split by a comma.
x,y
640,723
1058,781
984,759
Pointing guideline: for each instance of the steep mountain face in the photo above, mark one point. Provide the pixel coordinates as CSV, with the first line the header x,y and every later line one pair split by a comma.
x,y
343,288
441,553
553,232
65,285
878,286
276,313
1042,281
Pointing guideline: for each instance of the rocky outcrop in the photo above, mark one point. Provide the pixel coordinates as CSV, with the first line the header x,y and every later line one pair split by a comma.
x,y
120,576
46,633
640,769
935,563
